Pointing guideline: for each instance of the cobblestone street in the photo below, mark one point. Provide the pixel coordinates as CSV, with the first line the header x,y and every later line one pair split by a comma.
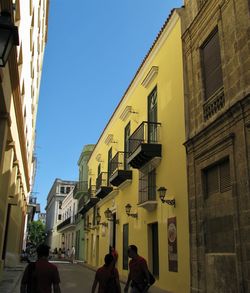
x,y
74,278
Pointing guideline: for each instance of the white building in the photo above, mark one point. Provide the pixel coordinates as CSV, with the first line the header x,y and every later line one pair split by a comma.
x,y
54,213
66,227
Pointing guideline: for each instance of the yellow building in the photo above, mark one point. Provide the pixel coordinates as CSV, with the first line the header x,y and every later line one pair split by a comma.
x,y
23,33
139,152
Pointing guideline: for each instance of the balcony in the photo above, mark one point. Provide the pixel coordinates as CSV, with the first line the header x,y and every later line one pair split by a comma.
x,y
81,188
81,203
119,169
102,185
67,224
92,201
144,145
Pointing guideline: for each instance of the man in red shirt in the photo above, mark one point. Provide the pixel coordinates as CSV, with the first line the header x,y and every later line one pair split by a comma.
x,y
138,272
108,277
39,277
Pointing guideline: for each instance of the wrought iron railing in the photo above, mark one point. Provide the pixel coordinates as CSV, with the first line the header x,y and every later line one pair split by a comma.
x,y
81,186
119,162
102,180
32,200
68,221
81,202
147,132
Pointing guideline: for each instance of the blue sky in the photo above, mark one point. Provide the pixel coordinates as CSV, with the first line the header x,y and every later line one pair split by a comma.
x,y
93,51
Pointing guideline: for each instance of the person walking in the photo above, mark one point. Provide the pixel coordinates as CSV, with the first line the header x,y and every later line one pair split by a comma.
x,y
107,277
138,272
73,254
41,276
113,251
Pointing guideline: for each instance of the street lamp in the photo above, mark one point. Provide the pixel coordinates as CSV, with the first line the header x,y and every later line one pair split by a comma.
x,y
8,37
98,221
162,193
109,216
128,209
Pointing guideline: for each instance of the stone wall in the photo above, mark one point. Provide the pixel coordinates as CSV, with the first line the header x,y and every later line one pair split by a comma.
x,y
216,131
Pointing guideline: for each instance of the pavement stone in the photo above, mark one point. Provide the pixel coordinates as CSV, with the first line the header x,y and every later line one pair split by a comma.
x,y
11,277
10,282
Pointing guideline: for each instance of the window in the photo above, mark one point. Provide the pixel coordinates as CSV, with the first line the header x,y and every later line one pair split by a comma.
x,y
211,63
99,170
126,146
217,178
68,189
147,186
152,116
60,205
62,189
152,185
59,217
109,163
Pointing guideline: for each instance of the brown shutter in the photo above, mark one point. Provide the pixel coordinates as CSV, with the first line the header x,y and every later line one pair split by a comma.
x,y
212,73
225,180
212,180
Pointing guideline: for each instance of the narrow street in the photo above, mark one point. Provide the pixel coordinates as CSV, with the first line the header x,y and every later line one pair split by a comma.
x,y
74,278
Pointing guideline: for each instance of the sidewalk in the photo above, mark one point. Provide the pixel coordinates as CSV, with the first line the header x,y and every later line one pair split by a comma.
x,y
11,277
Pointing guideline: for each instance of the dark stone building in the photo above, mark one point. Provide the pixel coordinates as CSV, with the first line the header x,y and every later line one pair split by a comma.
x,y
216,58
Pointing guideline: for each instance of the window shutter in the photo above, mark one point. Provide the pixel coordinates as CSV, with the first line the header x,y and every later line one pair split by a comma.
x,y
212,64
225,179
212,180
152,185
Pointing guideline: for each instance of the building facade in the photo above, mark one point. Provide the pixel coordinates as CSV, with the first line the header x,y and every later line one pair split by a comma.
x,y
217,113
67,222
54,215
20,75
80,193
42,218
139,155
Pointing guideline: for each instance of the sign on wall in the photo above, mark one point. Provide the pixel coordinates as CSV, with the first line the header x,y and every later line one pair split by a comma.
x,y
172,245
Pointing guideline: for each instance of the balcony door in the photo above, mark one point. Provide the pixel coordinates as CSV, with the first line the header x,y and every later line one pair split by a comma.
x,y
126,146
152,116
109,165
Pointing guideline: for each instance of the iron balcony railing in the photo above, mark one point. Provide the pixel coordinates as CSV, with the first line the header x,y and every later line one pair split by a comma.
x,y
32,200
102,180
147,132
68,221
81,203
81,186
119,162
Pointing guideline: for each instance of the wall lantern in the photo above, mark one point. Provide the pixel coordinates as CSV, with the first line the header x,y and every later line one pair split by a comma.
x,y
128,209
109,216
8,37
98,221
162,193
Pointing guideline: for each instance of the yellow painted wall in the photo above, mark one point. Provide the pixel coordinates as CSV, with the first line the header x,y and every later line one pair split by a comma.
x,y
171,172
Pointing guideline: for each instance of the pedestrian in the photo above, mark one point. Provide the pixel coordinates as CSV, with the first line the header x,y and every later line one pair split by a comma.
x,y
138,272
72,254
113,251
68,253
40,276
107,277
